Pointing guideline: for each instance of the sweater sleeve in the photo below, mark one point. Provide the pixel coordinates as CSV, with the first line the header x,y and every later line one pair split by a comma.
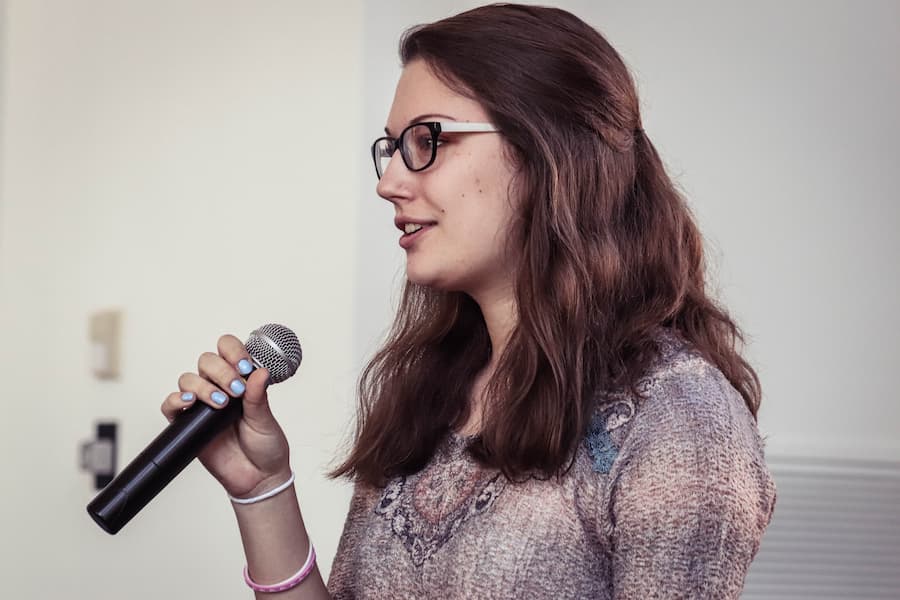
x,y
690,493
341,580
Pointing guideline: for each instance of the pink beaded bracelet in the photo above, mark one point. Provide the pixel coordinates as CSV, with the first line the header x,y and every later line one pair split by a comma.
x,y
291,582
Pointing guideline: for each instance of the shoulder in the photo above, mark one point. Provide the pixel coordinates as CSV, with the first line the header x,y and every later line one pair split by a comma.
x,y
682,404
689,494
682,388
686,402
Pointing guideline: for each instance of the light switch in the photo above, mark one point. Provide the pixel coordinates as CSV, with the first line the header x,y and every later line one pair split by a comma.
x,y
98,456
105,338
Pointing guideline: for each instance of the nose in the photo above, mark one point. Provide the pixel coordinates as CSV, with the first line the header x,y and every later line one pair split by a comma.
x,y
395,181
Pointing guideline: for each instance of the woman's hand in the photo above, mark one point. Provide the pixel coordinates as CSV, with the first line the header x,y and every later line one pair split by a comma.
x,y
251,456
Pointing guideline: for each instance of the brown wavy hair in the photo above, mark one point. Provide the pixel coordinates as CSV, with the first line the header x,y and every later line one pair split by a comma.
x,y
609,255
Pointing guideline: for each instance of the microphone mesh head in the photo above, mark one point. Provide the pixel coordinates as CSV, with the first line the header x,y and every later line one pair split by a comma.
x,y
276,348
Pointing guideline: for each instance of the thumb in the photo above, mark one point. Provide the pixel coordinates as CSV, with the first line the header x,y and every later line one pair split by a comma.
x,y
256,401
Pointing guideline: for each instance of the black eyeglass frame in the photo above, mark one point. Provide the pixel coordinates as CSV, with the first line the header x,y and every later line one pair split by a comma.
x,y
436,128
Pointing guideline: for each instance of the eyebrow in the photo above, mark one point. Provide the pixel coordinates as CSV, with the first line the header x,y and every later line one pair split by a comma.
x,y
420,118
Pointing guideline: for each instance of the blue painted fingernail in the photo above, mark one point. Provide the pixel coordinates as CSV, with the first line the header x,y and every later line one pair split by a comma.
x,y
244,367
237,387
218,397
187,396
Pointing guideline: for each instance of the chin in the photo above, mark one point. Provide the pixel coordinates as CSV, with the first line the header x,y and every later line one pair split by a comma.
x,y
421,279
426,277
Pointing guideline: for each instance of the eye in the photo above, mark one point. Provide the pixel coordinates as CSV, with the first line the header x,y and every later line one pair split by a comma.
x,y
424,141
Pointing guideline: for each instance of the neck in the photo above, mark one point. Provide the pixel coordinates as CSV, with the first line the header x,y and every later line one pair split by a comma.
x,y
500,317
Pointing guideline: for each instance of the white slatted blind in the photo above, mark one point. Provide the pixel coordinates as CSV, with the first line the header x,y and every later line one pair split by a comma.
x,y
835,532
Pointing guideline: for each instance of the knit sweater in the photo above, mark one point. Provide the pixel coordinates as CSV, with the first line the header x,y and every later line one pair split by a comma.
x,y
668,497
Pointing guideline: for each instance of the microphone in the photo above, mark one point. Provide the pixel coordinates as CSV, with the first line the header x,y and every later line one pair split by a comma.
x,y
272,346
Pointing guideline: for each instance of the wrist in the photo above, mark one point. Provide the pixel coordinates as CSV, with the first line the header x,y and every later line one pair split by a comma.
x,y
267,488
291,582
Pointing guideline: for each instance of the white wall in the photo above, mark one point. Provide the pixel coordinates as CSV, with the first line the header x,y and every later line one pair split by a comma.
x,y
147,146
188,162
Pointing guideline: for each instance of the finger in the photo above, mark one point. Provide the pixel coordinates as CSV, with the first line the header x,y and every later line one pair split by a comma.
x,y
175,403
217,370
235,353
203,390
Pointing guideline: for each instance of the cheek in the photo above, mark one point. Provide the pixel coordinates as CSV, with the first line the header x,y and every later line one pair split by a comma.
x,y
476,205
481,231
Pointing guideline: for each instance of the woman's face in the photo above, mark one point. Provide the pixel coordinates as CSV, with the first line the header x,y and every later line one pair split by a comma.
x,y
462,199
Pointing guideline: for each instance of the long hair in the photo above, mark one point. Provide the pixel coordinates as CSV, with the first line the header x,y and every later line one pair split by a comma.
x,y
609,254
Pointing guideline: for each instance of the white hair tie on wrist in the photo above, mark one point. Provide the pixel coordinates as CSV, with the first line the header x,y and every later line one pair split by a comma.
x,y
266,495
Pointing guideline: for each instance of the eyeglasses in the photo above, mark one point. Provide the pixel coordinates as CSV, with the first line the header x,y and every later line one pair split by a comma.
x,y
418,143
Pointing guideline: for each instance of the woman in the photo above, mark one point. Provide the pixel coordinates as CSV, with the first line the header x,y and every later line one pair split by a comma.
x,y
560,409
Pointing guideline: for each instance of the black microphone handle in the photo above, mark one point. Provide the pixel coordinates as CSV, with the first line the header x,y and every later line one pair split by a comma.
x,y
160,463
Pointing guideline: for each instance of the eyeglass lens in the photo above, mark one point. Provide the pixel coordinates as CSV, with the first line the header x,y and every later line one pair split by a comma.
x,y
416,145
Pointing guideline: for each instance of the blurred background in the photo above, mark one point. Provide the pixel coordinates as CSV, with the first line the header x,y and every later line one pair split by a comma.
x,y
170,171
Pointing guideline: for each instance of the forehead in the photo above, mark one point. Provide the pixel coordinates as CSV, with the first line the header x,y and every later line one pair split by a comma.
x,y
421,94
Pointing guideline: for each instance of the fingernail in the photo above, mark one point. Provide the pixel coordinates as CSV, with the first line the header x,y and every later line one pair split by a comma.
x,y
218,397
244,367
187,396
237,387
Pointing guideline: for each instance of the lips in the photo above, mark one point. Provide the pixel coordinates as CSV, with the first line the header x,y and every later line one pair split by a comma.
x,y
413,230
407,225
